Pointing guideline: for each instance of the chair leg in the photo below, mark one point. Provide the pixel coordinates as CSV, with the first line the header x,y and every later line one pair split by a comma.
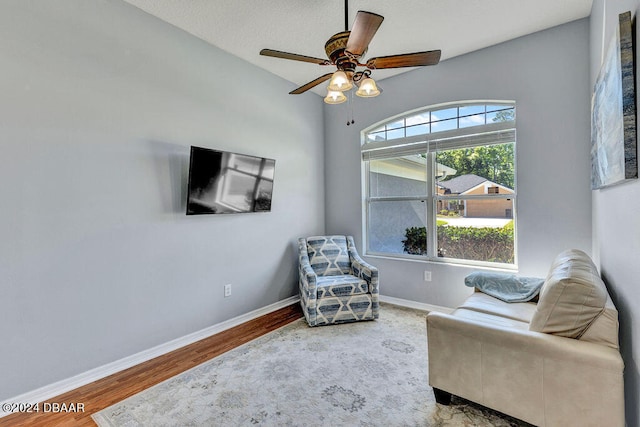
x,y
442,397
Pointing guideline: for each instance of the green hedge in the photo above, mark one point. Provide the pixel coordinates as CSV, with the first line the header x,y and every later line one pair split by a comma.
x,y
473,243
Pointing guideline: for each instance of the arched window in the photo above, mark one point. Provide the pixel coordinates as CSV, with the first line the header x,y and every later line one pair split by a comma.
x,y
440,184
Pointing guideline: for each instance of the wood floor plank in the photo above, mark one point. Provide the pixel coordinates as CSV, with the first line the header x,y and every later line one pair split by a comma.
x,y
119,386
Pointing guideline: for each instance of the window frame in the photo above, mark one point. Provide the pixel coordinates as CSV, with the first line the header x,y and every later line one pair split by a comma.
x,y
462,137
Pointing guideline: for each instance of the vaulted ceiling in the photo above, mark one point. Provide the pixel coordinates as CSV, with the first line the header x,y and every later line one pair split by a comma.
x,y
244,27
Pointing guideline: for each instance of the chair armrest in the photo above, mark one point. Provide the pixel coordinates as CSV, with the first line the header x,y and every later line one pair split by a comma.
x,y
365,271
308,277
361,268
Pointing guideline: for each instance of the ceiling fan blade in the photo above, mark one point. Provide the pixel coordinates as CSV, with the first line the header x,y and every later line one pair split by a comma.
x,y
417,59
364,28
311,84
293,56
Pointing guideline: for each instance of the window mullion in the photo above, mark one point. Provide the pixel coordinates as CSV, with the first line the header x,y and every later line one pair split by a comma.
x,y
397,198
475,196
431,217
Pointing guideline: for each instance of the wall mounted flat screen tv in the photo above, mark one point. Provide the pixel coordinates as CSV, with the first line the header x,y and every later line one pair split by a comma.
x,y
221,182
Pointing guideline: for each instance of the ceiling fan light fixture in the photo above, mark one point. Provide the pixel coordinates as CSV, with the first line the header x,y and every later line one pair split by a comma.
x,y
340,82
368,88
335,97
345,51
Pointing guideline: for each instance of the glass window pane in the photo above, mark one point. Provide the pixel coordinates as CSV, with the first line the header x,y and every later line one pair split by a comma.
x,y
418,119
480,230
398,176
418,130
501,115
476,169
395,134
395,125
398,227
496,107
493,117
471,110
448,113
475,120
376,136
444,125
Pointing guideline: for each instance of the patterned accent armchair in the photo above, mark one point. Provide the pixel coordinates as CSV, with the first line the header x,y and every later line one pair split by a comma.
x,y
336,285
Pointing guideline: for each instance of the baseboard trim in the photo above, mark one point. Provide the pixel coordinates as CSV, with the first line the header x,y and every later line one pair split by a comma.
x,y
52,390
414,304
47,392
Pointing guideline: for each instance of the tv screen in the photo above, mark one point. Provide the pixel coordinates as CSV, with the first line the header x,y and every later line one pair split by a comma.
x,y
221,182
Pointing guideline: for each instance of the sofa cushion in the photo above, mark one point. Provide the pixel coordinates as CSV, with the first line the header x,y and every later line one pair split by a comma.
x,y
572,297
490,319
483,303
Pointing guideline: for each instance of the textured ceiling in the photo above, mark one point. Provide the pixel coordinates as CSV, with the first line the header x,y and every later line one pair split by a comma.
x,y
244,27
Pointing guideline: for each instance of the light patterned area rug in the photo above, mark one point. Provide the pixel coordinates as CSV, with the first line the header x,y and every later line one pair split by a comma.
x,y
357,374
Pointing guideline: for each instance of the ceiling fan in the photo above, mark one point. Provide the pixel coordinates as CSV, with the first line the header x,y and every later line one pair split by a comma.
x,y
345,51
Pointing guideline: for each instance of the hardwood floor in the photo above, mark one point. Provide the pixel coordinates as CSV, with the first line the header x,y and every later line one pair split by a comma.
x,y
114,388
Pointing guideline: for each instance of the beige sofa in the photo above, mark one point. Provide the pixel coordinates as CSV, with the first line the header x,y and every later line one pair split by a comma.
x,y
554,363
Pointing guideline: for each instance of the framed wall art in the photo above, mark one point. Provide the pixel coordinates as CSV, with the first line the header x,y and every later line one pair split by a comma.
x,y
613,112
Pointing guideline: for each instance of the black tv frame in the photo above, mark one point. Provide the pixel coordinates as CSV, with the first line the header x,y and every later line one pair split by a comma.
x,y
225,182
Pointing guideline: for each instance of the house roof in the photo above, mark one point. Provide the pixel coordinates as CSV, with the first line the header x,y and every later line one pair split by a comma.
x,y
462,183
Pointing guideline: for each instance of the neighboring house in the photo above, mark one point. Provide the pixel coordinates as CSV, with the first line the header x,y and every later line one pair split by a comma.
x,y
470,185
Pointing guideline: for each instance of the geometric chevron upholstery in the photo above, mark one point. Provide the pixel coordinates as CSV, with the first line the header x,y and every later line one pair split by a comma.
x,y
328,255
341,286
336,285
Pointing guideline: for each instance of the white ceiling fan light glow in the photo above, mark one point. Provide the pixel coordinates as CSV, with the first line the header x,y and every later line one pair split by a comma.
x,y
368,88
335,97
339,82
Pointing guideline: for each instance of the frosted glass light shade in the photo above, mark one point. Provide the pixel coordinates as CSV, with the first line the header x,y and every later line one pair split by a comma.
x,y
368,89
340,82
335,97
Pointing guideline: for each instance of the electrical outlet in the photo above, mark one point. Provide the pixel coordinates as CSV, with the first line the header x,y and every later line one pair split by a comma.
x,y
427,276
227,290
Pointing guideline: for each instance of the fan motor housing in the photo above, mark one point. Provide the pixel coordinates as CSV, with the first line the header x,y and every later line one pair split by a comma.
x,y
335,49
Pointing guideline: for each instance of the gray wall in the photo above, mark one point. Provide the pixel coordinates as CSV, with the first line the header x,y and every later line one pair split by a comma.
x,y
616,223
99,104
546,74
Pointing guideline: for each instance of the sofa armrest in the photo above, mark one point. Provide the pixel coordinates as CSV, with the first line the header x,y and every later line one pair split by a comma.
x,y
544,345
540,378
